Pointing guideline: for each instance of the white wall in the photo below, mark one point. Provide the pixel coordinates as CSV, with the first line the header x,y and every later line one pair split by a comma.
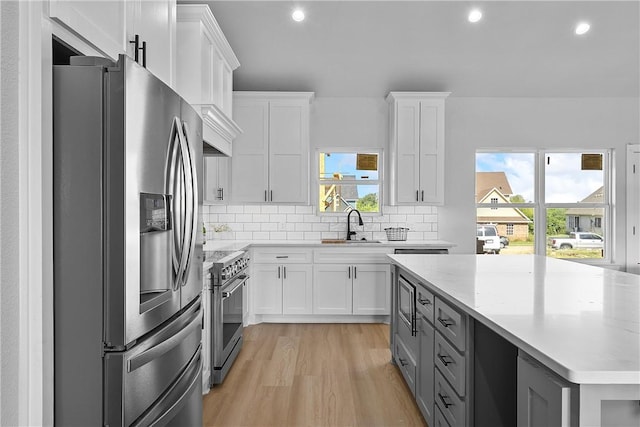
x,y
473,123
9,260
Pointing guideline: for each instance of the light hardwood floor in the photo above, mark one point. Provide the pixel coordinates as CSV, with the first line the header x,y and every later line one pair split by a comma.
x,y
313,375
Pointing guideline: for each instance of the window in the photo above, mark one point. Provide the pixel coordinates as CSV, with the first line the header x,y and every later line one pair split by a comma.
x,y
349,180
542,195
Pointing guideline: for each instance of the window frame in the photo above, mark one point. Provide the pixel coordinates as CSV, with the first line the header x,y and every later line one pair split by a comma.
x,y
540,207
379,182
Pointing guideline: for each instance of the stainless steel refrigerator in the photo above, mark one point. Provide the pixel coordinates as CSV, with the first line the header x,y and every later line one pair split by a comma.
x,y
127,252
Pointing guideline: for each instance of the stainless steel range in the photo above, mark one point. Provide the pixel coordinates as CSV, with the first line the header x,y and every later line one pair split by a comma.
x,y
226,291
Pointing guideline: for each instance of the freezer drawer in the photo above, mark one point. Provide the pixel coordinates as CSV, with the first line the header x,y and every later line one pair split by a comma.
x,y
151,382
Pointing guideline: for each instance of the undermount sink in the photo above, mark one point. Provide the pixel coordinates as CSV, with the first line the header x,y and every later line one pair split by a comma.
x,y
349,241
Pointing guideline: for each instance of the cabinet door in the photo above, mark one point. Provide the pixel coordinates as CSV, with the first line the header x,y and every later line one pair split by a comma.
x,y
543,398
216,178
431,151
267,289
408,151
249,163
155,22
424,382
371,289
288,151
296,289
101,23
332,289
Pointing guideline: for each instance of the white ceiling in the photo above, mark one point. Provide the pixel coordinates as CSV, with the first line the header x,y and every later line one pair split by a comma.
x,y
368,48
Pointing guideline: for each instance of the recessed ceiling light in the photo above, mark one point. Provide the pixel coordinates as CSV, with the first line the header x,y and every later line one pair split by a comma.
x,y
297,15
582,28
475,15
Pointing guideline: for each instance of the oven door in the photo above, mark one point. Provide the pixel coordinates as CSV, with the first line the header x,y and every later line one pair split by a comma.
x,y
229,328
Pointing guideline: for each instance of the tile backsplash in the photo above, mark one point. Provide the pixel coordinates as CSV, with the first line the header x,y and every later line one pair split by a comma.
x,y
274,222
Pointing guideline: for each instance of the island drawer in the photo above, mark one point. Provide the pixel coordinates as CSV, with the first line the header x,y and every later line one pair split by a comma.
x,y
407,365
452,406
425,303
451,364
451,324
440,420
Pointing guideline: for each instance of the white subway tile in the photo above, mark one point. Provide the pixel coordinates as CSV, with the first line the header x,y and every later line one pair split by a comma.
x,y
278,235
430,235
375,226
312,235
260,218
338,226
295,235
434,226
244,217
252,209
236,209
226,218
431,218
398,218
414,218
217,209
269,209
236,227
252,226
303,226
421,226
269,226
286,209
423,209
320,226
279,218
211,218
261,235
379,236
294,218
329,218
304,209
310,218
406,209
329,235
289,226
390,209
244,235
383,219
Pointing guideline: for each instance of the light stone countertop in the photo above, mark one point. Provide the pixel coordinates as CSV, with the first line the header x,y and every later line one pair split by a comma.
x,y
581,321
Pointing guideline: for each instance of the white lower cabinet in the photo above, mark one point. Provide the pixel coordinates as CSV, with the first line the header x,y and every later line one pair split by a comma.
x,y
267,291
351,289
544,399
282,289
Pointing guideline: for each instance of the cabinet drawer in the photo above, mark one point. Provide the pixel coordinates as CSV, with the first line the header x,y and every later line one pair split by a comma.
x,y
425,303
407,365
451,324
452,406
353,254
282,256
410,341
440,420
450,363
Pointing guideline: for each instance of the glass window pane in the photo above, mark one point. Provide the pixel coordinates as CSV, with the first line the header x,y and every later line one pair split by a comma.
x,y
506,177
575,233
344,197
514,228
345,166
574,177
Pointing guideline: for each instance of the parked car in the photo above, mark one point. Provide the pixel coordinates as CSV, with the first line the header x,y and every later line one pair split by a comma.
x,y
489,235
577,240
504,241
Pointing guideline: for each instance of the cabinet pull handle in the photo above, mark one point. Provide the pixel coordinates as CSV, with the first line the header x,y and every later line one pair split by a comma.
x,y
278,272
271,195
445,322
136,46
355,272
144,54
282,256
284,270
424,301
443,359
265,195
417,195
349,272
402,361
221,193
423,195
444,402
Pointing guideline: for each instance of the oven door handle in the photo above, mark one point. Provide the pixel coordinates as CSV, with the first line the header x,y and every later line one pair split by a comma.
x,y
241,281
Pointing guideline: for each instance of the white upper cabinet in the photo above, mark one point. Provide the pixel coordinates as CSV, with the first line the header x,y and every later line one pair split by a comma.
x,y
205,65
112,25
416,147
270,160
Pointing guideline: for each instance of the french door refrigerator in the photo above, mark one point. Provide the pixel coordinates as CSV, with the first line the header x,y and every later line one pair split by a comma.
x,y
127,253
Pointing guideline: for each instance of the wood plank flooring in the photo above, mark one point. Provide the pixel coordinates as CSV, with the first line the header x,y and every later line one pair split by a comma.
x,y
313,375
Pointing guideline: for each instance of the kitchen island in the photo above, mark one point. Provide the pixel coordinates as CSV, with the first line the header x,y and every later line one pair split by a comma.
x,y
574,330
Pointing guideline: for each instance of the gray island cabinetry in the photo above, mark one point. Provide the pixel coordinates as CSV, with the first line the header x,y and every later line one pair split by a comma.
x,y
523,347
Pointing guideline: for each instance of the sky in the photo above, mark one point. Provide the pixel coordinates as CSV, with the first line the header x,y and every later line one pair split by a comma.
x,y
345,163
565,182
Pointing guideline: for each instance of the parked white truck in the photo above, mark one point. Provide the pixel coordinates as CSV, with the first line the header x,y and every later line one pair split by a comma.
x,y
582,240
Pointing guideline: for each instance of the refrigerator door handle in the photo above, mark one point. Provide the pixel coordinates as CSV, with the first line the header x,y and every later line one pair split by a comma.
x,y
192,200
174,187
164,346
187,203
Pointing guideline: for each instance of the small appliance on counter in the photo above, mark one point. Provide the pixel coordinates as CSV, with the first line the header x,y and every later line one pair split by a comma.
x,y
224,310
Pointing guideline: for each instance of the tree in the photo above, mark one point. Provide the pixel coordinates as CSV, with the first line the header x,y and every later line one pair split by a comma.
x,y
528,212
368,203
556,222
